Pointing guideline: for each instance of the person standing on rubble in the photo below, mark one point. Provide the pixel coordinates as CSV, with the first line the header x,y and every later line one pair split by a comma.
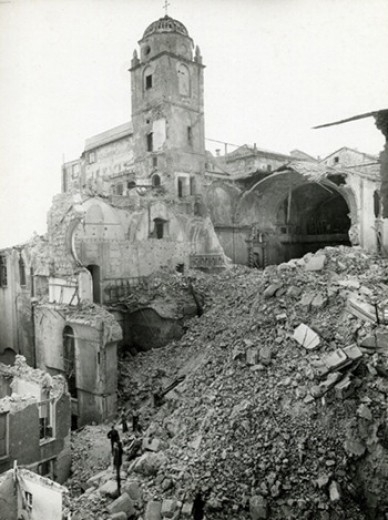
x,y
135,420
123,419
114,436
117,462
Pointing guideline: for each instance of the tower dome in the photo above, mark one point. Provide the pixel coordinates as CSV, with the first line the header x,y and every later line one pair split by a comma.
x,y
166,25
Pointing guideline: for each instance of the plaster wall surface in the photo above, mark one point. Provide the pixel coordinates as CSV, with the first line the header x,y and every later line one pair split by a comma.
x,y
46,500
15,304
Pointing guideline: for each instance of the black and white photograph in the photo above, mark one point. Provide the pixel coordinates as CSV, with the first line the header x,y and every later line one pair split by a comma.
x,y
194,260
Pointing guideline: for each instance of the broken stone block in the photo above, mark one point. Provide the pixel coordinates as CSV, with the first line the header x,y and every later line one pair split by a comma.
x,y
109,489
322,481
149,463
187,510
306,337
238,353
336,359
265,355
251,356
364,412
307,299
271,290
353,352
354,447
315,263
122,504
153,510
95,480
258,507
169,508
152,444
319,301
334,491
119,516
134,491
294,292
344,388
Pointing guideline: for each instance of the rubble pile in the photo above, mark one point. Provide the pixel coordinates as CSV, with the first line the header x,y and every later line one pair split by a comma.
x,y
283,410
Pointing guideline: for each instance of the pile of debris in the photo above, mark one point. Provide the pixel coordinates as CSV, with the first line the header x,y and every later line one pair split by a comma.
x,y
283,410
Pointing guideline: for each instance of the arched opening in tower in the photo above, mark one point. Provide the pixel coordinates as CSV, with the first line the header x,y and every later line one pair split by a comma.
x,y
310,217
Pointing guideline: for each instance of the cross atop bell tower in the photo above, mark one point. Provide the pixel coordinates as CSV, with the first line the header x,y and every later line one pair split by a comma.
x,y
165,7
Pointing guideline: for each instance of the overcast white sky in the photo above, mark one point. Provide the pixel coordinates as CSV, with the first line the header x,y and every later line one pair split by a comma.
x,y
274,69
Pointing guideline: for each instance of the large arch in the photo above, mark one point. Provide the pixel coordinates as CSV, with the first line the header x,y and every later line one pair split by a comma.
x,y
291,214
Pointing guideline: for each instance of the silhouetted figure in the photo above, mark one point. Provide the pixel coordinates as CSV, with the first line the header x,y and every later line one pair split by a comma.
x,y
113,435
124,424
117,462
135,421
198,506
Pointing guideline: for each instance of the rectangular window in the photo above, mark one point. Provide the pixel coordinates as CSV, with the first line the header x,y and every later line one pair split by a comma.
x,y
92,157
148,81
3,271
189,135
3,435
150,142
46,419
154,162
159,229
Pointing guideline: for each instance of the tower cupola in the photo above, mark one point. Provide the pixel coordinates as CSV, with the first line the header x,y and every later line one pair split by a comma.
x,y
166,35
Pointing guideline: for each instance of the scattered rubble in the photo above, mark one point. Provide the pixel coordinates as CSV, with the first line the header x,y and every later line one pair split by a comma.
x,y
263,425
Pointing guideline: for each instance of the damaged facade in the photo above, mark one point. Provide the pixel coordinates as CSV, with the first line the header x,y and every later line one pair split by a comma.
x,y
145,196
34,421
28,496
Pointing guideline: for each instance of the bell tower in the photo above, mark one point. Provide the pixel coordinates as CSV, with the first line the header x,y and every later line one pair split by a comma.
x,y
168,109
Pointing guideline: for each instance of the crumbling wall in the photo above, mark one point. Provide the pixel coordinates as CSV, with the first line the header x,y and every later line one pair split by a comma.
x,y
15,303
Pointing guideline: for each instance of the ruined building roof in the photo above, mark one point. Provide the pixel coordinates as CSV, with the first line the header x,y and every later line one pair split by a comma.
x,y
166,25
113,134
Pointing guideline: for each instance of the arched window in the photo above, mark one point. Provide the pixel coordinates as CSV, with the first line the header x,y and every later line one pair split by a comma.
x,y
69,360
183,80
156,180
22,271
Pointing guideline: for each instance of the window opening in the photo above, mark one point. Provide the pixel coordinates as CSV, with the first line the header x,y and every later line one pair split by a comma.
x,y
28,498
69,360
92,157
3,271
189,135
159,228
119,189
156,180
154,162
150,144
46,419
22,271
148,81
336,160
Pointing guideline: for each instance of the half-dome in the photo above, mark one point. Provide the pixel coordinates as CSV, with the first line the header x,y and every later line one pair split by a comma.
x,y
166,25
